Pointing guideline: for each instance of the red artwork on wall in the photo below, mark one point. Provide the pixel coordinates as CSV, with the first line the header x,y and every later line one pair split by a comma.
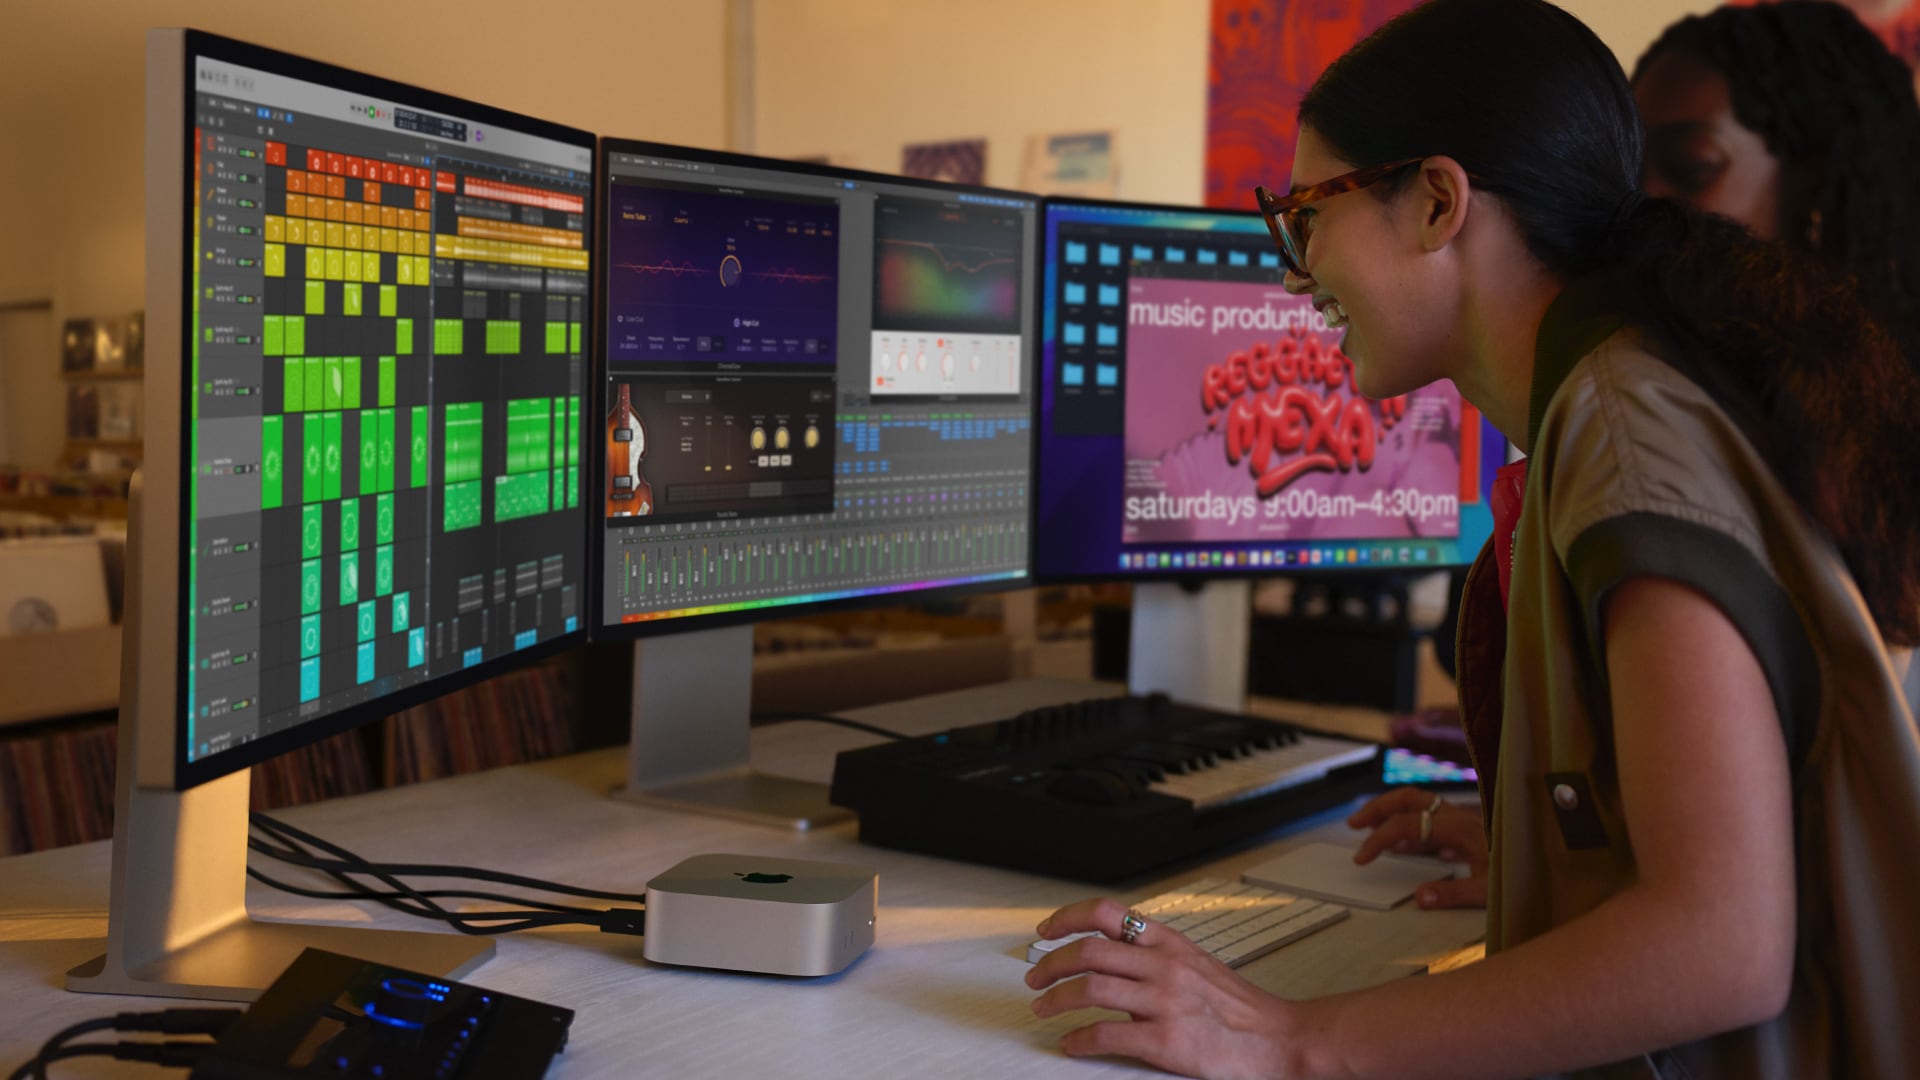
x,y
1264,54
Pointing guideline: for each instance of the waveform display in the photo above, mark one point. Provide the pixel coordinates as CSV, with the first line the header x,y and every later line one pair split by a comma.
x,y
705,275
730,272
921,279
943,267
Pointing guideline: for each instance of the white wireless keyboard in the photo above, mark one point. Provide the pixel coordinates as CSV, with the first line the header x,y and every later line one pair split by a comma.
x,y
1236,922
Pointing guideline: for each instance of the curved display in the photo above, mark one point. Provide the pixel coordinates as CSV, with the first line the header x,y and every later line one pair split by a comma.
x,y
384,295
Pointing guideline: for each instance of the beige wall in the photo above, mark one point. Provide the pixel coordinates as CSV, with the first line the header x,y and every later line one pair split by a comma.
x,y
1629,26
71,98
858,78
853,78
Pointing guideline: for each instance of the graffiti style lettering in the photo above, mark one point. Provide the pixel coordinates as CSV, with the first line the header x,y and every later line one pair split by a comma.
x,y
1285,414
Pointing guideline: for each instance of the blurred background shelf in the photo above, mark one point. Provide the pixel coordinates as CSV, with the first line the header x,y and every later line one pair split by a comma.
x,y
107,444
132,373
66,507
60,674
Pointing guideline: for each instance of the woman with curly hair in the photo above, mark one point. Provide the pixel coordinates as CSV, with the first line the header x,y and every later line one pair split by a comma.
x,y
1795,120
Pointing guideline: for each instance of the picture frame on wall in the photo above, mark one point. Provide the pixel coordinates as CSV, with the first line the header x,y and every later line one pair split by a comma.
x,y
958,161
1081,164
77,345
103,345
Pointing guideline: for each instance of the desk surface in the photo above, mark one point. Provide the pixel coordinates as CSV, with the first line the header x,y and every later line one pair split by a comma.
x,y
939,994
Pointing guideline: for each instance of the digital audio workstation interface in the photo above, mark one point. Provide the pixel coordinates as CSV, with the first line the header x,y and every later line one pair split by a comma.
x,y
387,381
816,386
1195,417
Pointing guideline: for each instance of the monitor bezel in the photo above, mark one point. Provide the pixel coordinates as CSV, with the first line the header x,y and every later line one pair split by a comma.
x,y
197,43
601,630
1191,579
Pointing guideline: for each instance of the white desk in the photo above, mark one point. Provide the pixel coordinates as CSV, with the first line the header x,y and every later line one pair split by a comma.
x,y
939,994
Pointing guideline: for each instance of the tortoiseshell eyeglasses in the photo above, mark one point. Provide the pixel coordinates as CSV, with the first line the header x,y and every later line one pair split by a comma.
x,y
1289,227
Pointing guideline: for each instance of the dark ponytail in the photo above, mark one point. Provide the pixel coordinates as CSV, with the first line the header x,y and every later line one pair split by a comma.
x,y
1527,98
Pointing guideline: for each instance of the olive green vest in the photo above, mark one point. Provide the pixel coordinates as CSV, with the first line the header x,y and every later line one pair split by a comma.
x,y
1636,470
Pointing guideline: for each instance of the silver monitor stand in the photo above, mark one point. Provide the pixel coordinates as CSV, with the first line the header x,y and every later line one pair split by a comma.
x,y
177,922
692,709
1190,642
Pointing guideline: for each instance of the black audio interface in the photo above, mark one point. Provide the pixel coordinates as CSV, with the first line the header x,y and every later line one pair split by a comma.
x,y
338,1016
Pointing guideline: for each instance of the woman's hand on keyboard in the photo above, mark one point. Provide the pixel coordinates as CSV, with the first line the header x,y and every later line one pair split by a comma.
x,y
1458,835
1191,1013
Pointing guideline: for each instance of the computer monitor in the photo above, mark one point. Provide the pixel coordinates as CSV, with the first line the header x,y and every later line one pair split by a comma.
x,y
1200,424
368,306
814,392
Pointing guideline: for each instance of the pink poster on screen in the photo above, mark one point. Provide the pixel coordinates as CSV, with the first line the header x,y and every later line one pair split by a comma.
x,y
1243,425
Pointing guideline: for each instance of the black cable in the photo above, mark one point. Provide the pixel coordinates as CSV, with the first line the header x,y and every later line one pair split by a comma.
x,y
342,871
337,867
349,862
436,911
829,718
612,921
437,894
170,1055
214,1022
462,920
104,1023
288,834
188,1021
420,904
413,901
608,921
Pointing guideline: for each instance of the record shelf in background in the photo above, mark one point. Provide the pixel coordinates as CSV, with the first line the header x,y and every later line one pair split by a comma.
x,y
56,776
102,364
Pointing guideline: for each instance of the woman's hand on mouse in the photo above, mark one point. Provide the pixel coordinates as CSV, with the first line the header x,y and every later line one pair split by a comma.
x,y
1190,1013
1456,833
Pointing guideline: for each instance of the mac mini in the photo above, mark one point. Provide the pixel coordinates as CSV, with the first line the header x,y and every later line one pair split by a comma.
x,y
771,915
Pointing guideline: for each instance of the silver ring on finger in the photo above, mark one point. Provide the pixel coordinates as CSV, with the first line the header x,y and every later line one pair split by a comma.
x,y
1426,826
1131,926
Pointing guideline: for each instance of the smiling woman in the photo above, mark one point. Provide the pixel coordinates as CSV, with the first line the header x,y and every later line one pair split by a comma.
x,y
1699,772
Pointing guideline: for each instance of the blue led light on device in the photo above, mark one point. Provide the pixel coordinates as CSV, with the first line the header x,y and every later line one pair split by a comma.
x,y
377,1017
